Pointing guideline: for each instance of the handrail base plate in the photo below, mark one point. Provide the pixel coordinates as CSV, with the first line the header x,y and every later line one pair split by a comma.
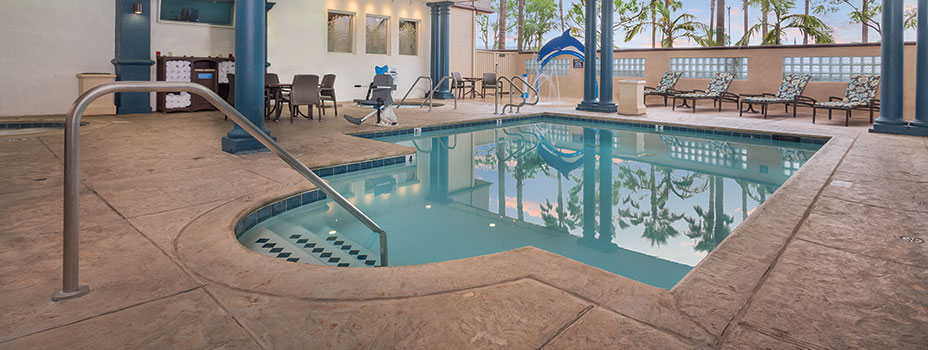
x,y
62,295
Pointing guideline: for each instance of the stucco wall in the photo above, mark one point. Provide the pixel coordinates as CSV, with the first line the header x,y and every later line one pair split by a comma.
x,y
765,66
43,44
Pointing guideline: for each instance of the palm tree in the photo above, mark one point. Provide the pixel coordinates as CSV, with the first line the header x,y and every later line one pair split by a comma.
x,y
764,6
683,26
712,14
501,37
744,8
720,23
808,25
520,24
711,224
805,36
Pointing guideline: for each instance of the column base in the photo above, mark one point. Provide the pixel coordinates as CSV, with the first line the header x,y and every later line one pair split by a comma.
x,y
443,95
890,126
606,107
588,106
918,128
243,145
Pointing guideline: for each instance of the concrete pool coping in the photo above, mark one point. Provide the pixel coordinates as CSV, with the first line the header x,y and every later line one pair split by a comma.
x,y
844,280
730,273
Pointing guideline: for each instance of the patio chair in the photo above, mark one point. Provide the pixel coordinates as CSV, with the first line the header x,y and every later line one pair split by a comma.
x,y
860,95
790,92
489,82
380,97
665,87
459,84
305,92
717,91
327,92
273,92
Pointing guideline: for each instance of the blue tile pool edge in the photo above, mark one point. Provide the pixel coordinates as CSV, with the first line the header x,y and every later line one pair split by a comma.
x,y
280,206
504,121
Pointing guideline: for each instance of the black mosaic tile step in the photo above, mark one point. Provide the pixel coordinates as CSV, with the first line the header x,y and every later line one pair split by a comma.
x,y
334,260
309,245
339,242
325,255
261,240
343,265
331,238
354,252
346,247
318,250
362,256
277,250
302,240
293,259
370,262
268,245
295,236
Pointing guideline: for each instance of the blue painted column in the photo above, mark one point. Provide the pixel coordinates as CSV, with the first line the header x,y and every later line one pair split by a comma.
x,y
919,126
438,171
589,59
606,105
133,54
250,30
442,52
434,50
589,184
891,88
605,185
267,8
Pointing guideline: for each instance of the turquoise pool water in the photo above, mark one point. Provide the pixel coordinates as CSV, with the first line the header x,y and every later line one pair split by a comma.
x,y
645,205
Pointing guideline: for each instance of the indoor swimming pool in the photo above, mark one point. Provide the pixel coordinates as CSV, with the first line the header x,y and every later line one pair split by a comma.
x,y
647,204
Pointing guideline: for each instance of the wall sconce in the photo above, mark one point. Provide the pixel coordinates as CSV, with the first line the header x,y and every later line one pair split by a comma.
x,y
137,8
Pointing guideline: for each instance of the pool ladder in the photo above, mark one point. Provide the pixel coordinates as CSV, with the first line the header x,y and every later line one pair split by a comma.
x,y
511,104
428,97
71,287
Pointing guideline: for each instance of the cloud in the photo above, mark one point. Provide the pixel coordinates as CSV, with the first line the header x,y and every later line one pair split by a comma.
x,y
530,208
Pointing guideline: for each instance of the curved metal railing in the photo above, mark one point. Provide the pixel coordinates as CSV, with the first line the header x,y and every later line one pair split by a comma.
x,y
512,86
413,87
435,88
531,88
71,287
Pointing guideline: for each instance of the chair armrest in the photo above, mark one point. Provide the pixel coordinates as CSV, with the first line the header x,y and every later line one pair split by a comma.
x,y
835,98
752,95
646,88
698,90
805,99
767,94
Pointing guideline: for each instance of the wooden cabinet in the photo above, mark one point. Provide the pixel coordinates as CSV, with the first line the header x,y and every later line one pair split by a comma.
x,y
206,71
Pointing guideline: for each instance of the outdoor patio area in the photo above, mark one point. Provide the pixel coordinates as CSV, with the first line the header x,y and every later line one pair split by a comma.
x,y
820,265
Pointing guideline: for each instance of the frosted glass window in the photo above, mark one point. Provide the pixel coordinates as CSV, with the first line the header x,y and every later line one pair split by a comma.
x,y
409,37
832,68
340,32
557,67
706,67
628,67
376,34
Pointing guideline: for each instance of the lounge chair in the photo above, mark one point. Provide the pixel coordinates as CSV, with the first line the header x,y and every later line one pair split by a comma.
x,y
665,87
717,91
305,92
860,95
327,92
379,95
273,92
790,92
459,84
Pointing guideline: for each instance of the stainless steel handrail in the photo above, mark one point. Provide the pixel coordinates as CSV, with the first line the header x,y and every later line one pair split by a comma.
x,y
440,81
71,287
511,86
413,87
531,87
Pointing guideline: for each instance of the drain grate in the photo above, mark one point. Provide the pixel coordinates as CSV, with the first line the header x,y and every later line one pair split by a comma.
x,y
911,239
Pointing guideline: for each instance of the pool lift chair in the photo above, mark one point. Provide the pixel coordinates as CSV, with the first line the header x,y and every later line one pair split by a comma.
x,y
380,97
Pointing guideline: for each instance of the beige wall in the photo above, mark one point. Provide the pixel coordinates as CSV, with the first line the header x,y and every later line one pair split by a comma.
x,y
764,69
462,42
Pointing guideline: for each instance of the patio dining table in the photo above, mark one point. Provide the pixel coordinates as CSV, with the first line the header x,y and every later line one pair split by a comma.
x,y
277,90
473,86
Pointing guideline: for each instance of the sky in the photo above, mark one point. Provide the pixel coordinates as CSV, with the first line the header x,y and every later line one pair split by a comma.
x,y
844,30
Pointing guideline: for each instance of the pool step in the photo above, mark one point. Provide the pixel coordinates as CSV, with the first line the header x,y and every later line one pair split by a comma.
x,y
328,249
269,243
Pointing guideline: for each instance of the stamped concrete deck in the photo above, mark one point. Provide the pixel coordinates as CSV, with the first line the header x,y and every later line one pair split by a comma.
x,y
817,266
